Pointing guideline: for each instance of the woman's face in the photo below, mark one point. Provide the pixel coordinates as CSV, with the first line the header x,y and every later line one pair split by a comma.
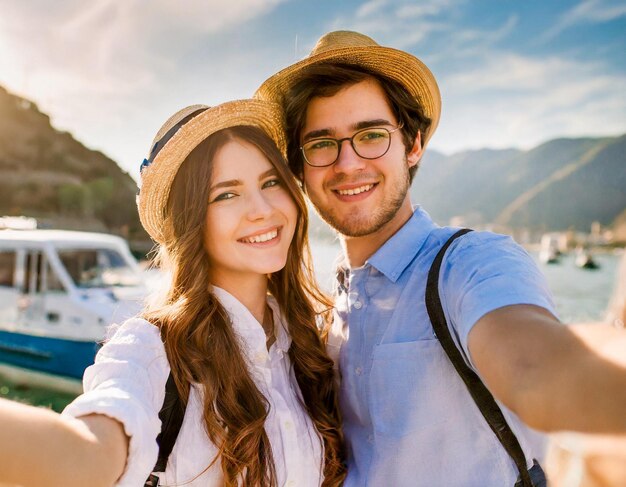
x,y
251,218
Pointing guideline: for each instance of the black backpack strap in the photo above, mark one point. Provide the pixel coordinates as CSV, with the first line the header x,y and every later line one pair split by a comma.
x,y
171,416
481,395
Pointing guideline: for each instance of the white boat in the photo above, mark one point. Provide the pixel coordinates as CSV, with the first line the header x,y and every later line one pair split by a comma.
x,y
549,256
550,252
59,290
585,260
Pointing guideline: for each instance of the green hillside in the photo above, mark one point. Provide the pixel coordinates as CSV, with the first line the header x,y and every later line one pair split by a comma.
x,y
47,174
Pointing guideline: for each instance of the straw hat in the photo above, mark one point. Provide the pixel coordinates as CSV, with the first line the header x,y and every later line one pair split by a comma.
x,y
182,133
349,47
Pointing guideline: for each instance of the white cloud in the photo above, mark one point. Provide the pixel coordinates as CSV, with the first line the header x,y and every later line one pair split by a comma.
x,y
511,100
595,11
425,9
587,11
106,46
99,67
99,34
401,24
371,7
112,71
490,37
494,97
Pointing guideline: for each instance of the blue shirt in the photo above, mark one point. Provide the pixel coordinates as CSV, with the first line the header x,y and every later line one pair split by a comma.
x,y
408,418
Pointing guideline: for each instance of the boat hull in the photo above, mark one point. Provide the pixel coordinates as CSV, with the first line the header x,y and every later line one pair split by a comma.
x,y
48,355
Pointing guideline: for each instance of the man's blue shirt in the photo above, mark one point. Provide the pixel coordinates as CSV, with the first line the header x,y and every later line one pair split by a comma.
x,y
408,418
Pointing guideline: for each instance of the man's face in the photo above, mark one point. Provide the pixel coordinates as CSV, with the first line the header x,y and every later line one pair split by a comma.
x,y
357,196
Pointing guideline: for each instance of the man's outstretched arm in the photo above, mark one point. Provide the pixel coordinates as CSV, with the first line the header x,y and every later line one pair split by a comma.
x,y
554,377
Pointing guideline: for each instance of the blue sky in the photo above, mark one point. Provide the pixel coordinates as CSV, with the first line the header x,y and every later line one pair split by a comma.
x,y
511,73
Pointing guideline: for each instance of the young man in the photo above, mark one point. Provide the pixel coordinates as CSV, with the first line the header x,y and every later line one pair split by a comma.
x,y
359,117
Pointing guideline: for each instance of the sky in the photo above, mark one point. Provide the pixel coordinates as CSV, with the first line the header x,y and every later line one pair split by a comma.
x,y
511,73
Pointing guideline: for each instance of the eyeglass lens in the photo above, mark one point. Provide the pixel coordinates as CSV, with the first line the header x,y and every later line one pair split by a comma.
x,y
368,144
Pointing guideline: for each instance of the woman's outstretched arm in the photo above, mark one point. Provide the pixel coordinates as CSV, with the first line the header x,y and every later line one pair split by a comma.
x,y
40,447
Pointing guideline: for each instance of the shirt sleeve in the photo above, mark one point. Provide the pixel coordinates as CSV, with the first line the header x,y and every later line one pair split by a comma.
x,y
127,383
482,272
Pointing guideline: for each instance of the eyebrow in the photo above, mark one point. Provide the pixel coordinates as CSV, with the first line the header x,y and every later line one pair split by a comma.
x,y
327,132
237,182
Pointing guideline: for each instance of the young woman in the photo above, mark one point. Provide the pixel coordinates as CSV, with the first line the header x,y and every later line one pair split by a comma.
x,y
237,329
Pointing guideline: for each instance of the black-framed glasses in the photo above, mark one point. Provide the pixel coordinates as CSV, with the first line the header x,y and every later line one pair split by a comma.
x,y
370,143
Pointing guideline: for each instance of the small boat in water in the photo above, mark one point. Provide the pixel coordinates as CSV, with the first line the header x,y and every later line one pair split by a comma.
x,y
550,252
59,290
550,255
585,260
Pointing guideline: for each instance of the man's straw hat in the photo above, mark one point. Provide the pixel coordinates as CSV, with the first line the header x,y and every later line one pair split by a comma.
x,y
182,133
347,47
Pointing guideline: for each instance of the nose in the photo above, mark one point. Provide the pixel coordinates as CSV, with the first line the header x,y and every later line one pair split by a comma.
x,y
348,160
259,207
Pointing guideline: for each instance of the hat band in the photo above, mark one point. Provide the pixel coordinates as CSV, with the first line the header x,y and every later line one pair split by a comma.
x,y
159,144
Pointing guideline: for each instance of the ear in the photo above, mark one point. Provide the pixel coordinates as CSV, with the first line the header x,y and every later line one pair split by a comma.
x,y
416,152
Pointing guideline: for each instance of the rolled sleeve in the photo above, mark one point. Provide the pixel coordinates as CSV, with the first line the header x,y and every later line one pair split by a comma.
x,y
127,383
484,272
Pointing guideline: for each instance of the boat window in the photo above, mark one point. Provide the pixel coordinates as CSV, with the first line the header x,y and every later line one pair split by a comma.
x,y
52,281
90,268
33,278
7,268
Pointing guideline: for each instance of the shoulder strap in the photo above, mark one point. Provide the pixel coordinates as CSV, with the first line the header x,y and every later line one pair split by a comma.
x,y
481,395
171,415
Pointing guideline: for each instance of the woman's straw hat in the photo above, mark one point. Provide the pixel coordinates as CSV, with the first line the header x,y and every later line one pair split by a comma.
x,y
347,47
182,133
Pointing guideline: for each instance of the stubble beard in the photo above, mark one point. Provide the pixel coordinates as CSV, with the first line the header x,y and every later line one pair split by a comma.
x,y
359,224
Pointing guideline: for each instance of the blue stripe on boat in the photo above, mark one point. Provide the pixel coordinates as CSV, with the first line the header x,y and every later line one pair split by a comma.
x,y
58,356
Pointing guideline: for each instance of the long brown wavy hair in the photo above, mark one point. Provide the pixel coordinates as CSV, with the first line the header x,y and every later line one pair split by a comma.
x,y
202,347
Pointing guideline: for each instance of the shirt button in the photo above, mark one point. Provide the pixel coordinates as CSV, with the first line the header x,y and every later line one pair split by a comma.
x,y
260,357
370,438
357,305
291,483
288,425
358,371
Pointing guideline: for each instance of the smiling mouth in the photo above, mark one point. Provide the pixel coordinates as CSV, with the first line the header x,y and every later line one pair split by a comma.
x,y
353,191
261,238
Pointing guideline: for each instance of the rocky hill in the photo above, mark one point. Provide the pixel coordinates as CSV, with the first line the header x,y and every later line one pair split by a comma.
x,y
47,174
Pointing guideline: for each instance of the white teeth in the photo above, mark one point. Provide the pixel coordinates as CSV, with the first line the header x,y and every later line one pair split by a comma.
x,y
358,190
262,238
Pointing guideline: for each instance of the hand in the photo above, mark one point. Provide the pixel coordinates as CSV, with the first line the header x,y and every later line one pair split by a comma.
x,y
589,460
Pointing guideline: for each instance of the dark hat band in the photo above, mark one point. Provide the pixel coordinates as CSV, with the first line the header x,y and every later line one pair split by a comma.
x,y
159,144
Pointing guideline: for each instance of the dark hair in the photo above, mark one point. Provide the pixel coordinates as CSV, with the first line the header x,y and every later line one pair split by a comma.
x,y
326,80
203,348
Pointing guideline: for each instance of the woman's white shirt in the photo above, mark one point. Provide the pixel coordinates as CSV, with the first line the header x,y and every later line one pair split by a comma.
x,y
127,383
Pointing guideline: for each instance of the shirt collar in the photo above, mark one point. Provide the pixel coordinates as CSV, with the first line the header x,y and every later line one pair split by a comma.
x,y
247,327
399,251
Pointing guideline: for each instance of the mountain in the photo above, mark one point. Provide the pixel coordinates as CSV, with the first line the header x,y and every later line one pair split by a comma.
x,y
561,184
47,174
